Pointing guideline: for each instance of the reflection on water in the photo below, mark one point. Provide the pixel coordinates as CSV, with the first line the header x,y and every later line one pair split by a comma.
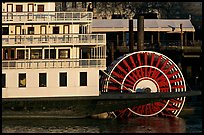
x,y
133,125
189,124
155,125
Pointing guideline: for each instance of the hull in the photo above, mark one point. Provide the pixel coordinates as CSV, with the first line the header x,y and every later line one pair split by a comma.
x,y
81,107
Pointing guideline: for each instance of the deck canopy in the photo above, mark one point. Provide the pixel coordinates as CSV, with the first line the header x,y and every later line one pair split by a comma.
x,y
160,25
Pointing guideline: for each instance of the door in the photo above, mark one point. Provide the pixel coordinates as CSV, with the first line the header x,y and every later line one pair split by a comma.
x,y
10,12
66,32
13,53
18,34
30,11
9,53
43,32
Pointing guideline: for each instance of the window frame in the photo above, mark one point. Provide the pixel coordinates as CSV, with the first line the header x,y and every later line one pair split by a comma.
x,y
3,80
54,30
50,53
36,55
21,76
42,79
60,56
83,75
19,7
5,32
43,9
63,79
31,30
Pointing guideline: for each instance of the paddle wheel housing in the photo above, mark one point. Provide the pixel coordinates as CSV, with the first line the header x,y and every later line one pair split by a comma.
x,y
146,71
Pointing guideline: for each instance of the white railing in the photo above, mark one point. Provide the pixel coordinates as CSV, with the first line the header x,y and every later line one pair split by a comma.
x,y
48,16
54,39
42,64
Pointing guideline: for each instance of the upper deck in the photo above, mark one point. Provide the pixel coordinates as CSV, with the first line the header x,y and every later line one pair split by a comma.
x,y
46,17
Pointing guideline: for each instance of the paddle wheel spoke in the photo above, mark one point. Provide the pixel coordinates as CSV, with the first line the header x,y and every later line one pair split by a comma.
x,y
127,65
151,70
121,69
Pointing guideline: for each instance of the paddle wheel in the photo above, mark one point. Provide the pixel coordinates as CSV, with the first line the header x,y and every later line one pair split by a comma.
x,y
146,71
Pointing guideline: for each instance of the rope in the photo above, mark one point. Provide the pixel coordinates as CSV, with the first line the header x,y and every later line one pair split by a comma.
x,y
118,82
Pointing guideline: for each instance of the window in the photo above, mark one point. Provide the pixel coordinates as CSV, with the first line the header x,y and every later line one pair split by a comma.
x,y
56,30
3,80
5,54
42,80
21,54
40,8
19,8
52,53
63,79
82,29
36,54
83,78
64,53
30,30
22,80
5,30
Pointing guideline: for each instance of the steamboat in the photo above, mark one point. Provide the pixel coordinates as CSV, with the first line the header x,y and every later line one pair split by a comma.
x,y
54,66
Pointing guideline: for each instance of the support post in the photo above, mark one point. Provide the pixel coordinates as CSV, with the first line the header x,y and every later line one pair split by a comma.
x,y
181,27
112,51
140,33
131,36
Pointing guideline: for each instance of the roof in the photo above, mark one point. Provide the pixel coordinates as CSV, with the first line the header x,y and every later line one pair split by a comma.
x,y
113,25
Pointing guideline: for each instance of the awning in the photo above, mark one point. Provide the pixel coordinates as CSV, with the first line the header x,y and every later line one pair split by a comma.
x,y
162,25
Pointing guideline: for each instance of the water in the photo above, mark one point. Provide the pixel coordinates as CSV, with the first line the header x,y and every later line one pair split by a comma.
x,y
186,124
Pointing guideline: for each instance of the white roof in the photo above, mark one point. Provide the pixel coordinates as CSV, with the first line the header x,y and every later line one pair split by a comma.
x,y
113,25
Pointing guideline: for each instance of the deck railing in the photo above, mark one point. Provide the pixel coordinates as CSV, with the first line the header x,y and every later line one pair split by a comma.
x,y
47,16
54,39
46,64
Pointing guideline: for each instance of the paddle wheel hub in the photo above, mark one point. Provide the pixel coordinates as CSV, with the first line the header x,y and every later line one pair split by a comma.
x,y
146,71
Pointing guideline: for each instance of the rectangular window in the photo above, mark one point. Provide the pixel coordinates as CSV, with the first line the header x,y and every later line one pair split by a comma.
x,y
63,79
83,78
36,54
42,79
3,80
30,30
40,8
19,8
5,30
50,53
21,54
22,80
56,30
64,53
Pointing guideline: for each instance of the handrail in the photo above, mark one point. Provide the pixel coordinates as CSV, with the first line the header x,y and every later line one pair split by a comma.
x,y
47,16
62,63
53,39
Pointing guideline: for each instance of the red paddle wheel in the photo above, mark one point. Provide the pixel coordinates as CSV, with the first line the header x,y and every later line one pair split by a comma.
x,y
150,71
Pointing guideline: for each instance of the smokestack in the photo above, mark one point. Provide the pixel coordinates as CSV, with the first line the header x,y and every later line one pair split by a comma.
x,y
131,36
140,33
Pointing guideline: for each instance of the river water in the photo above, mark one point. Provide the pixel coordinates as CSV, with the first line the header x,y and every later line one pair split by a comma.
x,y
188,123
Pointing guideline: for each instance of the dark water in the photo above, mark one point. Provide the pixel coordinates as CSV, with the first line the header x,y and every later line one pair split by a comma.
x,y
189,123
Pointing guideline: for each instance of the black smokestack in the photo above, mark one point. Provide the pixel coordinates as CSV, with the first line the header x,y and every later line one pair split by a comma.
x,y
131,36
140,33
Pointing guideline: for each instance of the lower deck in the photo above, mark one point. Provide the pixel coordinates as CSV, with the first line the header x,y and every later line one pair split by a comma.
x,y
52,82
